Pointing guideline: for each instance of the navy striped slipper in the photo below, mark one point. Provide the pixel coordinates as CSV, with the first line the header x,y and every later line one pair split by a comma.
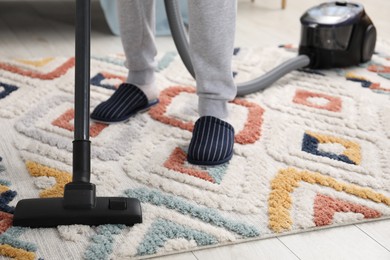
x,y
212,142
126,101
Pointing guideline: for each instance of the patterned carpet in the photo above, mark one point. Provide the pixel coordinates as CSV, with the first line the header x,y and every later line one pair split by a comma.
x,y
311,152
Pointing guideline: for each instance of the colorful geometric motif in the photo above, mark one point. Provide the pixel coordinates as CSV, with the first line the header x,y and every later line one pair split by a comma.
x,y
37,63
5,221
379,68
64,121
189,208
16,253
164,62
162,230
325,147
376,69
37,125
98,80
7,89
11,246
365,82
351,153
57,72
102,243
306,94
117,59
62,178
252,129
280,202
5,198
304,97
325,207
176,162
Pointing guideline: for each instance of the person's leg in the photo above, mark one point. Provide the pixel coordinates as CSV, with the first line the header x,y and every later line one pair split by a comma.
x,y
137,28
212,32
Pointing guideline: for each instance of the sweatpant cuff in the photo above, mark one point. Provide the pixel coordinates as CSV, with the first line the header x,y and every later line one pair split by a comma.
x,y
213,107
140,77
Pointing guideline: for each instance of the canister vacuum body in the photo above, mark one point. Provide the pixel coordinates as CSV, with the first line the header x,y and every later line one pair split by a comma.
x,y
337,34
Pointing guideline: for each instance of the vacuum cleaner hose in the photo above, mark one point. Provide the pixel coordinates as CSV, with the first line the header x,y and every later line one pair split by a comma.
x,y
179,36
273,75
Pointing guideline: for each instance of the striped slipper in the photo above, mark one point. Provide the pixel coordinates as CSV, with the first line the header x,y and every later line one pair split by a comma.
x,y
212,142
126,101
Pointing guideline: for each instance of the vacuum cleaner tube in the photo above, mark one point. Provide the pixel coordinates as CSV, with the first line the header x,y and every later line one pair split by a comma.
x,y
337,34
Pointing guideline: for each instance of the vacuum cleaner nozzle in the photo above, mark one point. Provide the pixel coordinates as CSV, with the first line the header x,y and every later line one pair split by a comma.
x,y
50,212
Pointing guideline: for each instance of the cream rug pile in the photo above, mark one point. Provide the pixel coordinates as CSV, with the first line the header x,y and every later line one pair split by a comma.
x,y
311,152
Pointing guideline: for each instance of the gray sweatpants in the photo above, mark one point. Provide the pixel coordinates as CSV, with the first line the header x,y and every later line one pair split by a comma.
x,y
212,31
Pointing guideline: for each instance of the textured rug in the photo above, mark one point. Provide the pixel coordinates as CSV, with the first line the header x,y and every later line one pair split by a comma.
x,y
311,152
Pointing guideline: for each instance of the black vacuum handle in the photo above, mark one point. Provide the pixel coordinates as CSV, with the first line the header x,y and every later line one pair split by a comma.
x,y
82,69
81,143
80,204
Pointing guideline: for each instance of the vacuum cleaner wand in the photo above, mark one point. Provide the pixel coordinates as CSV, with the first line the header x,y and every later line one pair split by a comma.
x,y
79,204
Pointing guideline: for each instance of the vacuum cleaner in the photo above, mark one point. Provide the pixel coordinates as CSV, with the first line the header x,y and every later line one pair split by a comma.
x,y
333,34
79,204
